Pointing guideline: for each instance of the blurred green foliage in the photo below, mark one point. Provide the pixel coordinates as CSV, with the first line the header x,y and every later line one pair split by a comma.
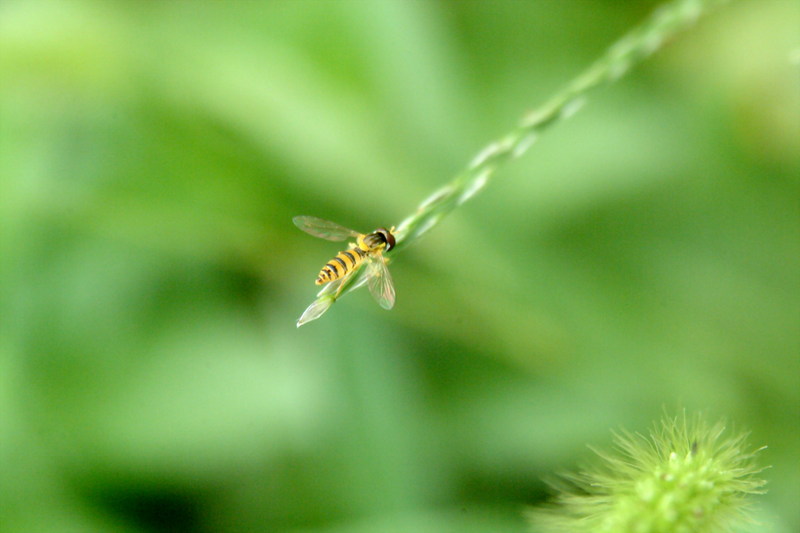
x,y
644,254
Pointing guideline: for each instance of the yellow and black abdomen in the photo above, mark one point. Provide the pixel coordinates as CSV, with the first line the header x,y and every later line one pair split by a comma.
x,y
343,264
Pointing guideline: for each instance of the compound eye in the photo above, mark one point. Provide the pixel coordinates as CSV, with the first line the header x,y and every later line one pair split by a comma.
x,y
387,235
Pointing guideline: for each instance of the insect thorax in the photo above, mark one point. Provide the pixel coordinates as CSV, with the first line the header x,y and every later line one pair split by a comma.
x,y
371,241
377,240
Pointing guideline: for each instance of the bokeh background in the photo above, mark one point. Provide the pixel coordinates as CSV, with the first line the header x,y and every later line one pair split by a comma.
x,y
644,255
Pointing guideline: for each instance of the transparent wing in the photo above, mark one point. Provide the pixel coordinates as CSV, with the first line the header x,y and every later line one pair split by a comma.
x,y
324,229
315,310
325,298
359,279
380,282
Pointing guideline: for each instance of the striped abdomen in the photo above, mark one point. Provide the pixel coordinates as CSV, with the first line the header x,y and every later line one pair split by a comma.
x,y
341,265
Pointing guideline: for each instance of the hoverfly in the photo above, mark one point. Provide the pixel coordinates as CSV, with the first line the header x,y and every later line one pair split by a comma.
x,y
368,249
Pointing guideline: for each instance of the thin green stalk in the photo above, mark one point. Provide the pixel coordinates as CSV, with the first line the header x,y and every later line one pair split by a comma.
x,y
637,45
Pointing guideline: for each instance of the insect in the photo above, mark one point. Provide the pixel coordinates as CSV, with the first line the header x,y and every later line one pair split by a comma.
x,y
368,249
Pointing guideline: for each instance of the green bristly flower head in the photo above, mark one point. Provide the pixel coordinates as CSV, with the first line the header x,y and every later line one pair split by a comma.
x,y
685,477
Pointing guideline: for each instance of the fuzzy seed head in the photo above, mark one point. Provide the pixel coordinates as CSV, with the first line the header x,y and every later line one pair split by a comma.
x,y
685,477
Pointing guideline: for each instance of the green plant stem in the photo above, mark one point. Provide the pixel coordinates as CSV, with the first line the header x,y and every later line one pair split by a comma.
x,y
637,45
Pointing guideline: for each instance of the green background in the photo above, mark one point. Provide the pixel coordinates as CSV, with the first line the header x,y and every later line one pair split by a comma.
x,y
643,255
